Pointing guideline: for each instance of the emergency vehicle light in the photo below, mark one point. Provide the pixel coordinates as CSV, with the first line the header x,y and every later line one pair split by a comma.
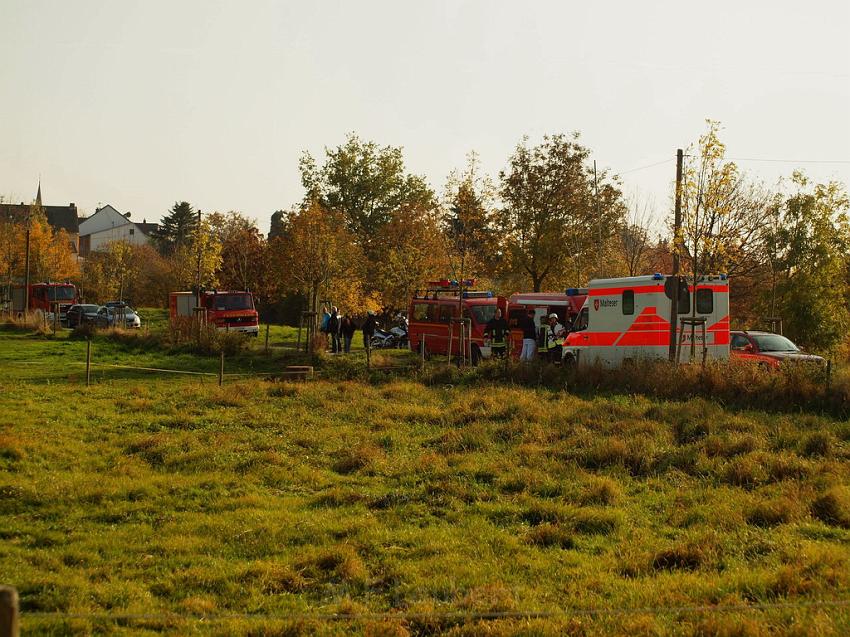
x,y
572,291
657,276
723,277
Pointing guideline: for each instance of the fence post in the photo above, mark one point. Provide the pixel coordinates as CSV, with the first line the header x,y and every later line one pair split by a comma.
x,y
9,623
220,368
88,362
828,373
422,350
267,338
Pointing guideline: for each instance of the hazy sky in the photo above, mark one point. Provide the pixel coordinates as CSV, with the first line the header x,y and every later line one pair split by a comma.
x,y
142,103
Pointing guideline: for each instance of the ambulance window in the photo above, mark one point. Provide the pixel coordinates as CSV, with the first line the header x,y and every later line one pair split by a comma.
x,y
422,311
628,301
705,301
684,301
581,320
446,313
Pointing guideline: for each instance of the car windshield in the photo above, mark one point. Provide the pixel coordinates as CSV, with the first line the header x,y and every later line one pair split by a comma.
x,y
87,308
61,293
233,302
124,309
773,343
481,314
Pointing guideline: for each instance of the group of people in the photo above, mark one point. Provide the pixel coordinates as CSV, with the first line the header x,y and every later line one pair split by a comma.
x,y
341,328
498,331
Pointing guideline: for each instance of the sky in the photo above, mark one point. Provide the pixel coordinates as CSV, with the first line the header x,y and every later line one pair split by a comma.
x,y
143,103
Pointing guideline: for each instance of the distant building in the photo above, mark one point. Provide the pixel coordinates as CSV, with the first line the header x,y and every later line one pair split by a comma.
x,y
107,225
59,217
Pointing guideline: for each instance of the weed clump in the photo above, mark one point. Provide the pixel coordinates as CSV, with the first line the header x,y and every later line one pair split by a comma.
x,y
356,458
550,535
833,507
687,557
771,513
818,444
601,491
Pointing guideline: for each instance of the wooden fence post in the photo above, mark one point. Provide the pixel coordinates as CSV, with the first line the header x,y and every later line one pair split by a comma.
x,y
422,350
221,369
88,362
9,623
267,338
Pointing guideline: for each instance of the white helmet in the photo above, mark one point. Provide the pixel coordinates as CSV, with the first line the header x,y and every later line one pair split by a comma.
x,y
553,316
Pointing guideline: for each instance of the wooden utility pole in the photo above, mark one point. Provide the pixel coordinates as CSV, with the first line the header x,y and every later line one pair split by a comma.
x,y
198,235
677,230
27,269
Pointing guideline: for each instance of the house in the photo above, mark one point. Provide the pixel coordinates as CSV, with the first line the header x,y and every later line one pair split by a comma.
x,y
59,217
107,225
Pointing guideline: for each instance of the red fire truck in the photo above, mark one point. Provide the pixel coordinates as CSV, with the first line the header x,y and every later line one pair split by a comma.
x,y
567,306
44,298
435,318
230,311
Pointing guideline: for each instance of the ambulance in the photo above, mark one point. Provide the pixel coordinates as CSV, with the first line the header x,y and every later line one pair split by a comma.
x,y
628,319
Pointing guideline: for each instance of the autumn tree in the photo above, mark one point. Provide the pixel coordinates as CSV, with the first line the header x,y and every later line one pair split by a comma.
x,y
723,212
198,260
244,263
807,246
633,240
468,222
414,252
318,257
551,221
177,227
366,184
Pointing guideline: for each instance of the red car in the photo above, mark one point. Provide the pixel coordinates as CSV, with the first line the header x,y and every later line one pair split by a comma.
x,y
768,349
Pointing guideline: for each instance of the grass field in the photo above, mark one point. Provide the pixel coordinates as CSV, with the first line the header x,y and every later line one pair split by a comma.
x,y
147,503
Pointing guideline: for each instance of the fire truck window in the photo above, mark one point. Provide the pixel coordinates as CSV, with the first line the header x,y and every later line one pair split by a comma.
x,y
422,311
628,301
446,313
483,313
705,301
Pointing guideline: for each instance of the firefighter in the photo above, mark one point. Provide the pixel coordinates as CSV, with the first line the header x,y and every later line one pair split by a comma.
x,y
555,334
497,330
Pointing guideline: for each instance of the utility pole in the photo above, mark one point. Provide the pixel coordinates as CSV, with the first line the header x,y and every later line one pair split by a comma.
x,y
599,273
198,237
677,230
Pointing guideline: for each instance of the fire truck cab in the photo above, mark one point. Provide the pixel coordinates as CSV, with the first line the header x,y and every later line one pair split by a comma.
x,y
433,318
628,319
44,298
567,306
231,311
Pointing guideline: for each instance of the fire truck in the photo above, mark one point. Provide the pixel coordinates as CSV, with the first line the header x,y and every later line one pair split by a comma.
x,y
45,298
231,311
628,319
567,306
435,314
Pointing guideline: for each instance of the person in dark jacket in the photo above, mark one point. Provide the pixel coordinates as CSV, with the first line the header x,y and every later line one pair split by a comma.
x,y
369,326
529,336
333,329
346,330
497,330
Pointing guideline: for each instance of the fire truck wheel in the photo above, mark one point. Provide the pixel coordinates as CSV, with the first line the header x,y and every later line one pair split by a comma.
x,y
569,359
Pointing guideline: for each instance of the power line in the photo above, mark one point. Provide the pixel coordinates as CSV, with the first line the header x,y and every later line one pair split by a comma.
x,y
793,161
658,163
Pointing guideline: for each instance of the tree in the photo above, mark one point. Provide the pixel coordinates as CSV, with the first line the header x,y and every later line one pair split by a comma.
x,y
467,222
204,250
414,252
550,221
317,256
808,248
366,184
177,227
633,241
244,254
723,213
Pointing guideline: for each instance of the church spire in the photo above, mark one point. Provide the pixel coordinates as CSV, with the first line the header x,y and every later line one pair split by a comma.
x,y
38,194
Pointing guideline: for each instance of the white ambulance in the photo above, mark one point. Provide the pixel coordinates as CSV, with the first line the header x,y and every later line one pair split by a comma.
x,y
628,319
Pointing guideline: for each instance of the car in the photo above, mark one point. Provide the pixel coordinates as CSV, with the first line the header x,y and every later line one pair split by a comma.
x,y
768,349
80,314
114,315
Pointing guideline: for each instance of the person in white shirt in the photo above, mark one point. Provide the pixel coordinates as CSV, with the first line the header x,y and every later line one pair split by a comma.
x,y
555,335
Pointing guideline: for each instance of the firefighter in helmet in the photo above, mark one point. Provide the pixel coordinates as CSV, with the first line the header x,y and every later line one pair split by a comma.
x,y
555,334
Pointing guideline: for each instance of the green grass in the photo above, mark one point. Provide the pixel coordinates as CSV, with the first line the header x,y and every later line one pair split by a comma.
x,y
151,495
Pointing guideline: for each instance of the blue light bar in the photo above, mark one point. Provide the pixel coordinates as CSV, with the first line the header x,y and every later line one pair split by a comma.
x,y
572,291
723,277
657,276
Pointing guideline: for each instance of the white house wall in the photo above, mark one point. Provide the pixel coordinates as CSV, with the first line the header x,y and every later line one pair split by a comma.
x,y
99,240
104,219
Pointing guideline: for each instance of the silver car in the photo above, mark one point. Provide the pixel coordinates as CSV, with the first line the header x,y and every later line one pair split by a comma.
x,y
118,316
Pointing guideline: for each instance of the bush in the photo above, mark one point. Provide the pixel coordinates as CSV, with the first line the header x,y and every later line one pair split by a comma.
x,y
549,535
833,507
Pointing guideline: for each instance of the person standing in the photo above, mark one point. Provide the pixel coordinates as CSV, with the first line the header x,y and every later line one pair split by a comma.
x,y
333,328
368,328
497,330
346,329
529,336
555,334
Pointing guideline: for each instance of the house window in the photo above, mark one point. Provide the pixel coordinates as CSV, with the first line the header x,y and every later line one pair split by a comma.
x,y
132,231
